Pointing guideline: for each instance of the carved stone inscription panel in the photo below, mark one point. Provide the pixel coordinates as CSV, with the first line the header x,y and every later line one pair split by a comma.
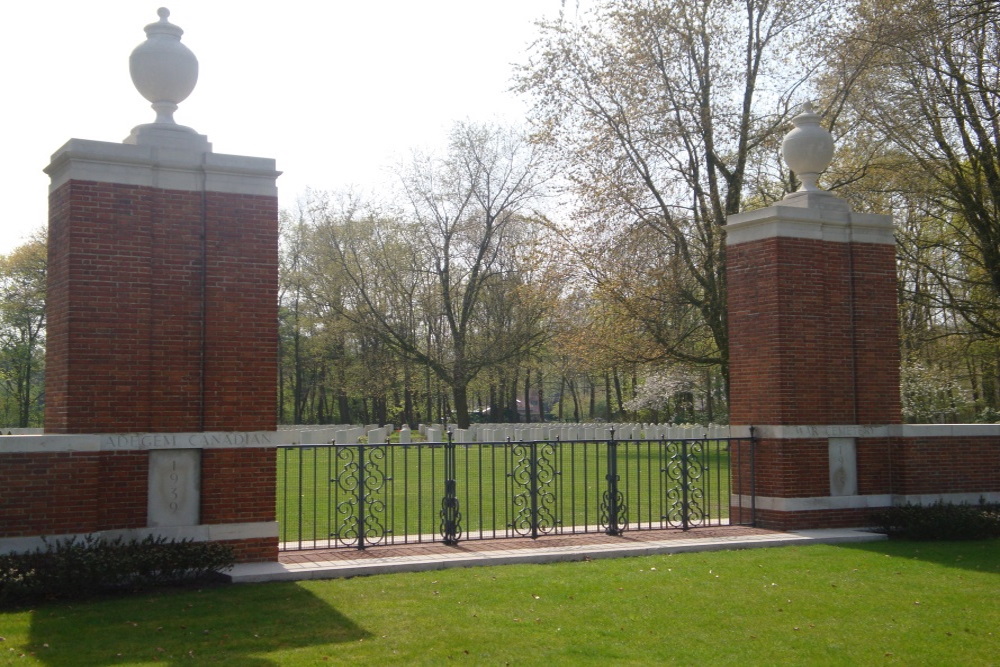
x,y
174,487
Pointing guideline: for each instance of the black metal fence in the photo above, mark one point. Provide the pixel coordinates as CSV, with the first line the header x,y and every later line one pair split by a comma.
x,y
379,494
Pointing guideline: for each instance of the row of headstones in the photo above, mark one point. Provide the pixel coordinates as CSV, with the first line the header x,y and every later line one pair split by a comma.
x,y
340,434
437,433
578,432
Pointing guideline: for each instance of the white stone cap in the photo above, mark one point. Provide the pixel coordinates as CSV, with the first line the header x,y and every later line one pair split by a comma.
x,y
804,220
810,212
116,442
163,167
886,431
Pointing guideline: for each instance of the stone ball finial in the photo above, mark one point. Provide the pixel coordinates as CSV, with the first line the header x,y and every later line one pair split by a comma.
x,y
808,148
163,70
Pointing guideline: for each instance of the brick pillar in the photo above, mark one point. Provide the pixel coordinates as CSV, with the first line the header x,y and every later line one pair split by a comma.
x,y
162,310
162,341
814,356
162,290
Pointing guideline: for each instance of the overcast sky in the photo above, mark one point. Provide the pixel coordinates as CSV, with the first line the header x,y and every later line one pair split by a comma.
x,y
334,90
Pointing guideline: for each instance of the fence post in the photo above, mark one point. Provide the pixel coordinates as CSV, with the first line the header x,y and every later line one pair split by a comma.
x,y
753,477
685,487
533,481
451,517
613,505
362,495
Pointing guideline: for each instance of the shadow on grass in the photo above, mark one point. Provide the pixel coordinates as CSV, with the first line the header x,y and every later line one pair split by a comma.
x,y
976,555
239,625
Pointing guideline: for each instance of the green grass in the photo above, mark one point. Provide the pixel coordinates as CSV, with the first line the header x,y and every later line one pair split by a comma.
x,y
409,486
901,603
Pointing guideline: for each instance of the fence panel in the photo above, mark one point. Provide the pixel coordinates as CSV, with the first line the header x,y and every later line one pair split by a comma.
x,y
363,495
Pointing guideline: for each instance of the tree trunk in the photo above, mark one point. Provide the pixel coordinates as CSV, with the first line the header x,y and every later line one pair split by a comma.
x,y
562,395
593,398
461,396
607,395
515,414
527,395
576,401
541,397
709,402
618,392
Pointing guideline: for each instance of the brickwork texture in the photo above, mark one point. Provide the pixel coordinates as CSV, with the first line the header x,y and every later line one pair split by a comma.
x,y
162,310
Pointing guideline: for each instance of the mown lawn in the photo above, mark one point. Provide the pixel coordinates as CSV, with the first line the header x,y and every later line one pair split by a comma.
x,y
902,603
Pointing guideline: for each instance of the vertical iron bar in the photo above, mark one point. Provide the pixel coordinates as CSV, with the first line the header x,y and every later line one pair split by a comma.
x,y
284,496
611,501
508,503
420,491
586,494
479,463
560,520
362,496
312,494
390,491
406,493
685,510
533,477
753,478
300,497
329,495
449,504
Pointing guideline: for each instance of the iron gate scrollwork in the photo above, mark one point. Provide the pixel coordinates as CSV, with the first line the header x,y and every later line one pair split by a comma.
x,y
614,511
683,473
451,515
346,495
533,474
361,477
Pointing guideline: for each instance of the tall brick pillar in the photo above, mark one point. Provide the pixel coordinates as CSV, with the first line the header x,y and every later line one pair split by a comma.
x,y
814,346
162,288
162,316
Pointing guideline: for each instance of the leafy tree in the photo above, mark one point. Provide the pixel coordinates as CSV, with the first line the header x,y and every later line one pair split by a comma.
x,y
921,78
22,332
664,116
443,283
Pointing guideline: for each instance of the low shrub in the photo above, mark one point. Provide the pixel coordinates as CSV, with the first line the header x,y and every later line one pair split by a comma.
x,y
77,568
940,521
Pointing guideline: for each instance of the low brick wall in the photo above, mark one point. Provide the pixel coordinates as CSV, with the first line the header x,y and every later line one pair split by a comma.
x,y
56,486
791,476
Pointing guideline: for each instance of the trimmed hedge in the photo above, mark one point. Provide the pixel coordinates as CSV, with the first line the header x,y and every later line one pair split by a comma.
x,y
940,521
77,568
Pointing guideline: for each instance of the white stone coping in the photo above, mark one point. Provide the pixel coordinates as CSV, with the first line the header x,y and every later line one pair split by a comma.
x,y
249,439
887,431
162,167
117,442
200,533
838,225
876,501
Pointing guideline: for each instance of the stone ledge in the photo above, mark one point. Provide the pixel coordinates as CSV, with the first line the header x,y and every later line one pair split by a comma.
x,y
832,224
162,167
123,442
821,503
904,431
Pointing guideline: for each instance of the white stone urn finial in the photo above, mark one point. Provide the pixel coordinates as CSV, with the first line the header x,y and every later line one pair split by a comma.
x,y
163,70
808,148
